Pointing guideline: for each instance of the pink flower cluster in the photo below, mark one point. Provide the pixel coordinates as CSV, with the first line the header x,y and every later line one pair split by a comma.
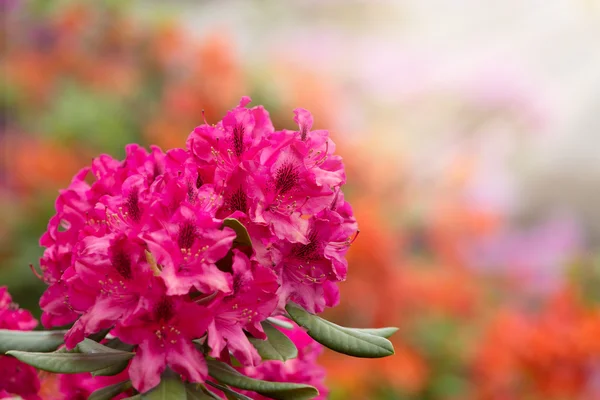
x,y
16,378
139,246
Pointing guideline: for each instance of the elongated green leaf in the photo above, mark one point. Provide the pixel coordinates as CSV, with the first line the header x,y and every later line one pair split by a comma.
x,y
169,388
275,390
112,370
383,332
231,394
40,341
98,336
280,323
243,238
343,340
234,361
89,346
116,344
277,346
136,397
108,392
199,392
63,350
71,363
207,298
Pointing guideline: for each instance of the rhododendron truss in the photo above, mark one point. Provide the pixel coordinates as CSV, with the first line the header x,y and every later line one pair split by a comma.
x,y
171,270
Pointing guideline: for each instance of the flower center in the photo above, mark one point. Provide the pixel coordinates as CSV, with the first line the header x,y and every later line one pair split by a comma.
x,y
309,251
286,178
187,235
303,132
238,140
199,182
238,201
133,206
163,311
238,283
191,193
122,263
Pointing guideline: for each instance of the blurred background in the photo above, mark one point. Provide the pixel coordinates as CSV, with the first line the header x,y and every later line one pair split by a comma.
x,y
470,134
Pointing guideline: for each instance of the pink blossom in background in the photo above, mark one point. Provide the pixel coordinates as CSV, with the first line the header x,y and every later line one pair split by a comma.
x,y
536,258
13,317
16,378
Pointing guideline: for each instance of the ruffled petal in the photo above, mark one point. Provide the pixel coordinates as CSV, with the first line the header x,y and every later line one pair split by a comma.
x,y
103,315
147,366
239,345
187,361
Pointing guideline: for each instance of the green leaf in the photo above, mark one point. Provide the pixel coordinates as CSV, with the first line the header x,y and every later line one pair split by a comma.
x,y
234,361
199,392
108,392
40,341
89,346
353,342
277,346
98,336
231,394
65,350
112,370
169,388
382,332
71,363
275,390
136,397
280,323
206,299
117,344
243,238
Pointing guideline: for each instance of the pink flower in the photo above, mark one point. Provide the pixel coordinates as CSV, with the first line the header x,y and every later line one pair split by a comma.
x,y
184,182
252,301
303,369
187,248
129,209
238,138
289,188
308,270
114,269
318,149
83,209
59,240
16,378
299,175
11,316
240,193
163,327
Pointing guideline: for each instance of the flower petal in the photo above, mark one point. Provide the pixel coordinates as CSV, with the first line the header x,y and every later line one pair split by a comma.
x,y
184,359
147,366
